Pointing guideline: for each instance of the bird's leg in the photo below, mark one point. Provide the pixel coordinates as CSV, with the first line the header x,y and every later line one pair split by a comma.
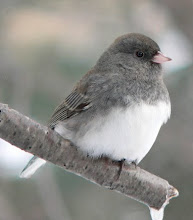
x,y
120,163
106,160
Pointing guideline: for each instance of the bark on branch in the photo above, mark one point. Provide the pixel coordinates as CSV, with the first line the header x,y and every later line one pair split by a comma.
x,y
39,140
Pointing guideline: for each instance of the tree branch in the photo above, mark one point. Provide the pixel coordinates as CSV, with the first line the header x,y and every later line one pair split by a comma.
x,y
41,141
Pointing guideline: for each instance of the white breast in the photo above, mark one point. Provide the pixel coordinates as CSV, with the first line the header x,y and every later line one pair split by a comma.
x,y
125,133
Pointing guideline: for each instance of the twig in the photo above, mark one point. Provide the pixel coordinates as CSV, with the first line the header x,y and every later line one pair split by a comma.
x,y
39,140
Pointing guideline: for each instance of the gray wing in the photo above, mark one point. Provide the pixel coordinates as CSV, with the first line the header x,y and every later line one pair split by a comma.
x,y
72,105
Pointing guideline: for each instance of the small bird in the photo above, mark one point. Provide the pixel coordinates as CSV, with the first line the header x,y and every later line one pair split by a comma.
x,y
117,108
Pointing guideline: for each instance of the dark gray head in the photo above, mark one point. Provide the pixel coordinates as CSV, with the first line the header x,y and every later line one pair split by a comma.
x,y
134,54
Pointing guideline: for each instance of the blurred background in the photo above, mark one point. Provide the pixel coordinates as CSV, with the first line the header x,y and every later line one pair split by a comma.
x,y
45,48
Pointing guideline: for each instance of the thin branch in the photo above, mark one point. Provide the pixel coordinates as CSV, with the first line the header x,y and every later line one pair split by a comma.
x,y
39,140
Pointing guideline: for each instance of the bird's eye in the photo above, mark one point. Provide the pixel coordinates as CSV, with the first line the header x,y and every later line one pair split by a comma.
x,y
139,54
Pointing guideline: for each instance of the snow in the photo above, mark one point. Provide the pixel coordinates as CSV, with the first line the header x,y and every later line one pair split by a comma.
x,y
12,159
157,214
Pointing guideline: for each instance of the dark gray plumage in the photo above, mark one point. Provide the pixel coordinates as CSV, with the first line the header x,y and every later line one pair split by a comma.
x,y
125,83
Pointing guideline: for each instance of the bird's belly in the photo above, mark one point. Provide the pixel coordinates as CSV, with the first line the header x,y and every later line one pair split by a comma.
x,y
125,133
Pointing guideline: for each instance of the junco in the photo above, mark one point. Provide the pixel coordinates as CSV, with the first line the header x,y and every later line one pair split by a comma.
x,y
117,108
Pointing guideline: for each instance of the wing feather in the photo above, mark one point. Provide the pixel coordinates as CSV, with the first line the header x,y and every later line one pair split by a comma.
x,y
72,105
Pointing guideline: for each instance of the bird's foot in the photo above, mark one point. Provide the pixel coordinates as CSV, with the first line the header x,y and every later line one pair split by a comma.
x,y
134,163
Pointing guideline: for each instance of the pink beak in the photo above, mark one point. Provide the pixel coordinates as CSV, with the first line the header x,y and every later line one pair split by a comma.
x,y
160,58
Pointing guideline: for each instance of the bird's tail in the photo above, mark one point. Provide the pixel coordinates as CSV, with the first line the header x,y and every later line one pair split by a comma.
x,y
34,164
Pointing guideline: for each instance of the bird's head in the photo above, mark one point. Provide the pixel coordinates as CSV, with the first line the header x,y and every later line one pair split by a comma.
x,y
134,54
